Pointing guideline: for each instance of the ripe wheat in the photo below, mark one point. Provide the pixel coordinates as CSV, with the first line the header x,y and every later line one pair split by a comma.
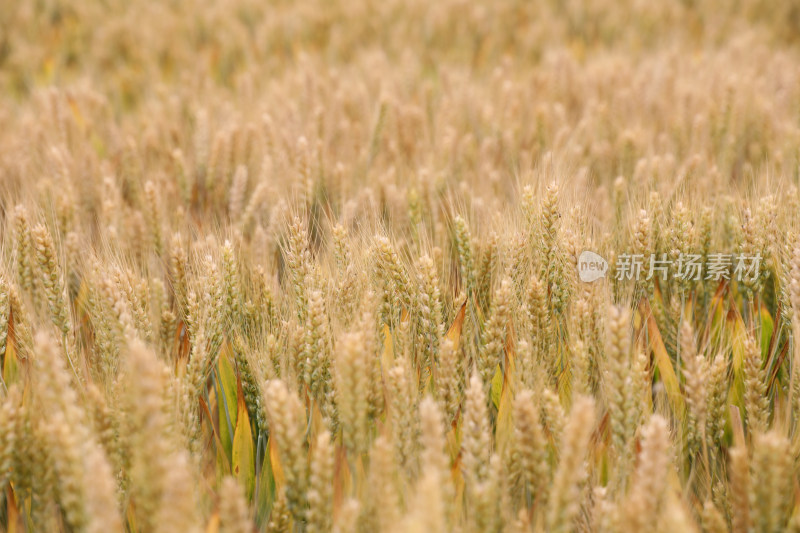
x,y
317,266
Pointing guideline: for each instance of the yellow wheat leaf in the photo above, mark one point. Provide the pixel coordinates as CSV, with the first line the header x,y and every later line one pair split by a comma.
x,y
342,479
266,484
130,517
227,400
82,299
738,335
497,386
12,513
275,463
454,333
359,478
767,327
213,524
453,442
10,362
460,484
243,455
504,422
387,355
664,364
317,422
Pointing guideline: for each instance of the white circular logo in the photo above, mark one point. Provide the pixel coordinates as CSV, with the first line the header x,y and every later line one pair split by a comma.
x,y
591,266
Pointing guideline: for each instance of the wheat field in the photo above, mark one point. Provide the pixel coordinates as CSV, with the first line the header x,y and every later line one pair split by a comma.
x,y
400,266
